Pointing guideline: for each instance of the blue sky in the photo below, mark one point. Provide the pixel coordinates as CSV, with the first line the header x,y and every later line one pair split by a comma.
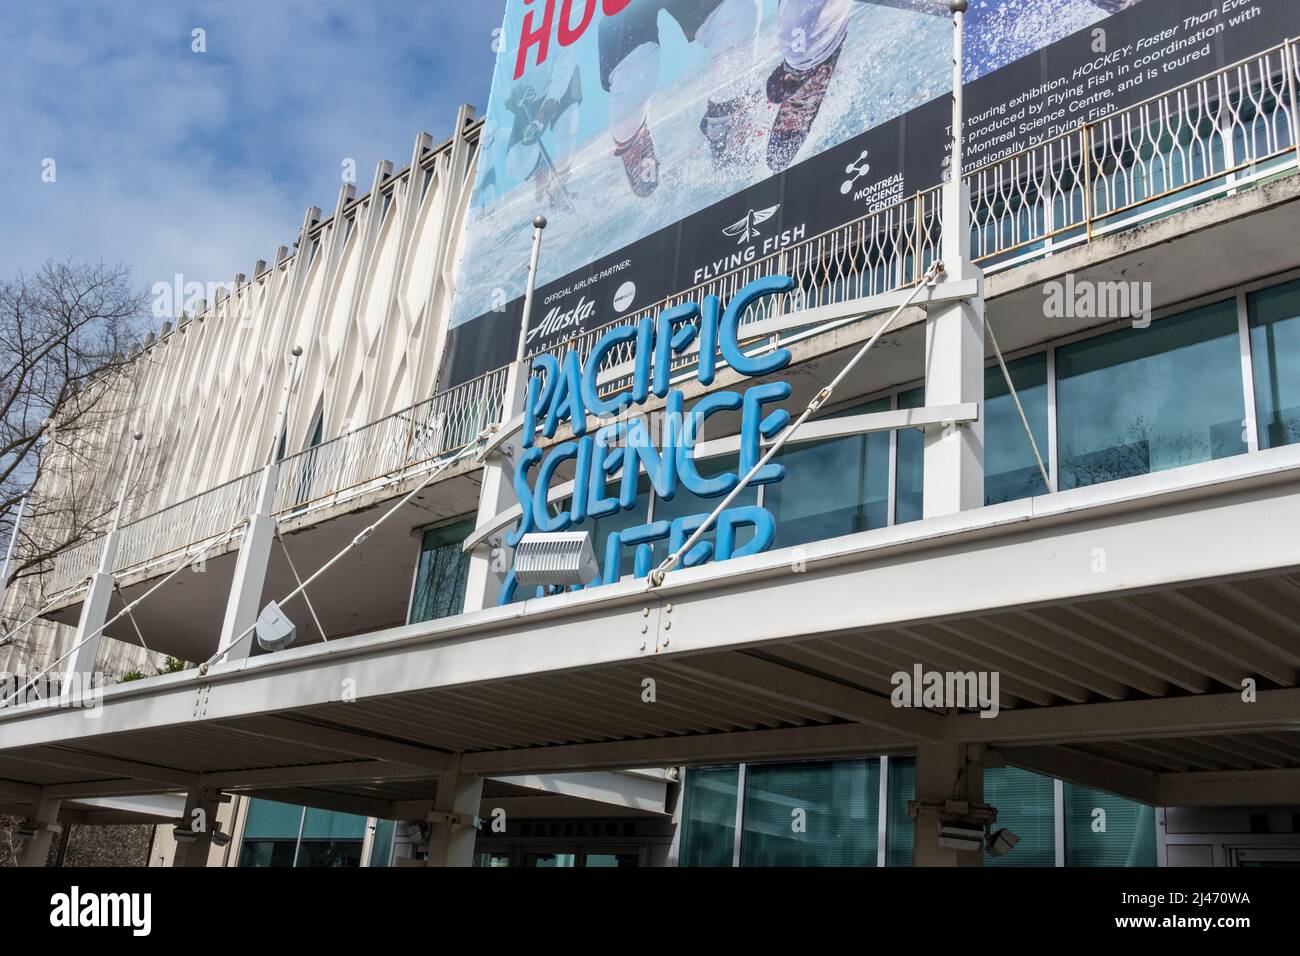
x,y
173,161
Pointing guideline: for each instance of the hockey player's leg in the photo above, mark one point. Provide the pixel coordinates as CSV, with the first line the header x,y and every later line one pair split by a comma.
x,y
631,84
811,34
729,34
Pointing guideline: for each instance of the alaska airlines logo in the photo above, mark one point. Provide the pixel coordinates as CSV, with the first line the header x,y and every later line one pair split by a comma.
x,y
557,321
747,228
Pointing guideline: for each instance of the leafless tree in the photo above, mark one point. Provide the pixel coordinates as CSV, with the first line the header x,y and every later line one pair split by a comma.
x,y
66,334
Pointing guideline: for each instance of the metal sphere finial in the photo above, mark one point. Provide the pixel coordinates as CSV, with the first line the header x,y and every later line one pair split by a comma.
x,y
138,436
297,350
539,222
958,6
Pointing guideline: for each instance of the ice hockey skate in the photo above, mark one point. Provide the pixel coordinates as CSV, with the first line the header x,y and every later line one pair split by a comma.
x,y
640,162
799,96
730,130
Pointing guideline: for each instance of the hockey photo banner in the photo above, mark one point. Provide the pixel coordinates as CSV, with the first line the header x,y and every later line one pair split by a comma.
x,y
670,141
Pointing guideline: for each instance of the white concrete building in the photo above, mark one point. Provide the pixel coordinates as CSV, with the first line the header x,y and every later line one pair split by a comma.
x,y
1137,604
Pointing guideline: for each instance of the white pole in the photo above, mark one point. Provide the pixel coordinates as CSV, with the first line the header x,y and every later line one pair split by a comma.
x,y
126,479
13,542
958,8
282,415
539,223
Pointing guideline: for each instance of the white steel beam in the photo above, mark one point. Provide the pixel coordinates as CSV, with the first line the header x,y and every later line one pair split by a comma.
x,y
344,741
1087,770
1203,715
816,693
1245,788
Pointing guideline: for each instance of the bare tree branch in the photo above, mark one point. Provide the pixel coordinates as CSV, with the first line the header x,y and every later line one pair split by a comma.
x,y
66,334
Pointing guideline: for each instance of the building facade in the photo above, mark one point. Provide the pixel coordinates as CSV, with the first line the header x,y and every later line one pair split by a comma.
x,y
1053,477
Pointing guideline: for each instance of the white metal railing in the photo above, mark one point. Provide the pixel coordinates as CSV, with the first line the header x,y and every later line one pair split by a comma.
x,y
1204,139
404,443
1208,138
391,447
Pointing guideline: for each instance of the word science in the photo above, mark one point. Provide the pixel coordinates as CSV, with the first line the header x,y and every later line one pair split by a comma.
x,y
608,461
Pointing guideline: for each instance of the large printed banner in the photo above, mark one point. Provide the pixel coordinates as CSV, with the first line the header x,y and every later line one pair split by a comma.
x,y
668,141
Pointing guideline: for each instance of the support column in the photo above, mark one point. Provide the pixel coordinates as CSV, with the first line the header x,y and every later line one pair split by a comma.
x,y
954,375
245,601
194,832
80,665
944,772
45,820
489,565
954,333
453,819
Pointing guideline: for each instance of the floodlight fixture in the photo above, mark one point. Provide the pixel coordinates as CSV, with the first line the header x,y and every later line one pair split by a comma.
x,y
955,837
555,559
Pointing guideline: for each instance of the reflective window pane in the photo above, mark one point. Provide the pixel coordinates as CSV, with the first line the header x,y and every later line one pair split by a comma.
x,y
1011,471
832,488
811,814
1105,830
1026,805
442,573
686,503
709,817
1137,401
911,463
901,833
1275,348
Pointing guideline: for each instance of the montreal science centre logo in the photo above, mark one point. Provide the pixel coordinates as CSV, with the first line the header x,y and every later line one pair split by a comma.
x,y
608,460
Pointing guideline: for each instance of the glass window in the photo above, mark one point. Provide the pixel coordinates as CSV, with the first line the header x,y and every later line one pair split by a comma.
x,y
550,860
902,831
602,528
1275,347
832,488
332,825
329,853
1026,805
911,463
490,860
1137,401
442,573
381,847
271,836
267,853
272,820
811,814
708,834
611,859
1011,471
1105,830
686,503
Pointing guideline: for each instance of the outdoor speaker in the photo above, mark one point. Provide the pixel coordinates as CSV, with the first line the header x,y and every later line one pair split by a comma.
x,y
275,632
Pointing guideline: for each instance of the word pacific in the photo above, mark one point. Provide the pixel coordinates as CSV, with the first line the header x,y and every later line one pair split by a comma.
x,y
607,464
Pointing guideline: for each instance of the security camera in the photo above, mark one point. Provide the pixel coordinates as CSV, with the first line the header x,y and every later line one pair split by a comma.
x,y
1001,843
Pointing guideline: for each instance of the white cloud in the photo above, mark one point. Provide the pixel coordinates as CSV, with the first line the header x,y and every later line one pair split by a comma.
x,y
172,161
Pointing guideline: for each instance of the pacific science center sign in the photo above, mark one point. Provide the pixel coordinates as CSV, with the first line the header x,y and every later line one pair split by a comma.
x,y
608,461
